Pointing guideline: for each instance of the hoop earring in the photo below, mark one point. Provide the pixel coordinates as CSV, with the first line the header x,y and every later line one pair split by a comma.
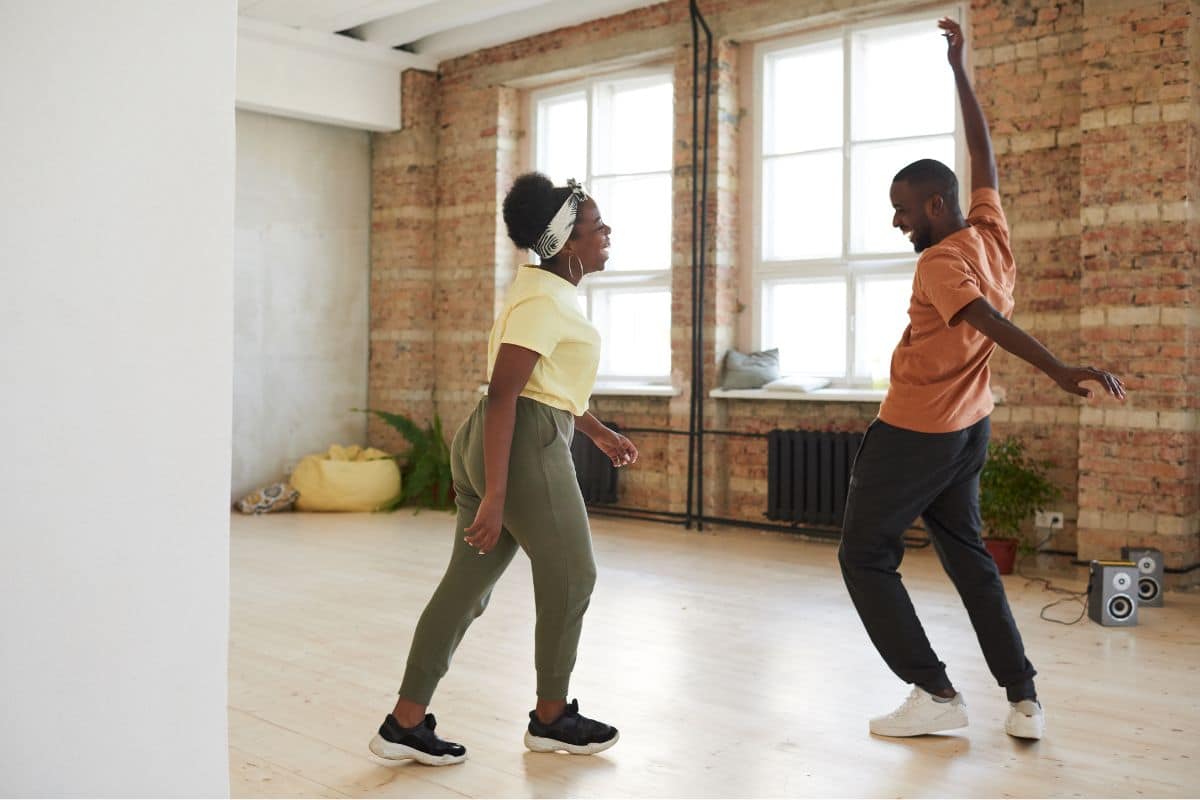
x,y
569,271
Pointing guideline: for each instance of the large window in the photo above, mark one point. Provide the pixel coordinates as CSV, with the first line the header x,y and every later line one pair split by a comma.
x,y
615,135
841,114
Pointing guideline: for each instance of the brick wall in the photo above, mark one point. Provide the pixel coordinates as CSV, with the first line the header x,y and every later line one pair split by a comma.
x,y
403,231
1026,59
1139,479
1094,116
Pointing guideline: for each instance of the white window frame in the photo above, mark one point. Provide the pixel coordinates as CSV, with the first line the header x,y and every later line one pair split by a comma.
x,y
851,267
599,286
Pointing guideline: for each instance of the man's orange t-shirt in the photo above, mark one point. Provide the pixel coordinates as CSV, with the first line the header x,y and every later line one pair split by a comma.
x,y
940,376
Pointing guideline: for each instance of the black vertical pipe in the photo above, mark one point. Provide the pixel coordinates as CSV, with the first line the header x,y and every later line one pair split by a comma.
x,y
691,474
699,234
700,303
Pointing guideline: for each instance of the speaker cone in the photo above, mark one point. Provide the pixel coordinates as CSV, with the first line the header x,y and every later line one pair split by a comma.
x,y
1148,589
1120,607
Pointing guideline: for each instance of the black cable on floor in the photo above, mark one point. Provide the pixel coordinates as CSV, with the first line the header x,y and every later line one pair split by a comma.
x,y
1047,586
1082,609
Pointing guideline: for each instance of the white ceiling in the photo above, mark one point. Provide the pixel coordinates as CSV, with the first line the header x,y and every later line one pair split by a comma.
x,y
435,29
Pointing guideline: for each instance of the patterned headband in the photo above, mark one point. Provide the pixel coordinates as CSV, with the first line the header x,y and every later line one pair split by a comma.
x,y
559,228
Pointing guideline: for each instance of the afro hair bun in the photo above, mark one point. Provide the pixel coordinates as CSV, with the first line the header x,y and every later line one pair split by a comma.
x,y
529,206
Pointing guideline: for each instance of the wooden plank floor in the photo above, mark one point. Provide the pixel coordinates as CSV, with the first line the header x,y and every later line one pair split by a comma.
x,y
732,662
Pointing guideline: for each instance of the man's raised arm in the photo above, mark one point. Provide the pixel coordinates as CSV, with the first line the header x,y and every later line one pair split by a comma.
x,y
979,141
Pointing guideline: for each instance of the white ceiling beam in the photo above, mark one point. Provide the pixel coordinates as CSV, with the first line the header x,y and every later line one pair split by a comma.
x,y
463,39
370,10
333,44
445,15
325,16
320,77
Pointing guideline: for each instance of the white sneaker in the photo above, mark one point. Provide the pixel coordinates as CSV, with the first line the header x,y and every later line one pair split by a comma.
x,y
1026,720
921,714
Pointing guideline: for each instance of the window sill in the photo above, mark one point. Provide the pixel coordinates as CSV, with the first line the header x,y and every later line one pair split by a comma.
x,y
828,395
631,389
622,390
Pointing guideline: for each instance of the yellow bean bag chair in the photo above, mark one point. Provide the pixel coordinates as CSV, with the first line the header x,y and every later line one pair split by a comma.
x,y
346,479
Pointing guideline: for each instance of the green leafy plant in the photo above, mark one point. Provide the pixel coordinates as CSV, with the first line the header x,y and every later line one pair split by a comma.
x,y
425,480
1012,487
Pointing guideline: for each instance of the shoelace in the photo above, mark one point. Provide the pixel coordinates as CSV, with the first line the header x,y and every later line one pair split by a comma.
x,y
914,698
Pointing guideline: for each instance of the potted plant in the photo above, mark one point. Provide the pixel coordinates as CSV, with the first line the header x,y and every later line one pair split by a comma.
x,y
425,480
1011,488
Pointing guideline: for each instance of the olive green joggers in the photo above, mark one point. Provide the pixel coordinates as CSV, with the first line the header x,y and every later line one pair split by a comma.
x,y
545,516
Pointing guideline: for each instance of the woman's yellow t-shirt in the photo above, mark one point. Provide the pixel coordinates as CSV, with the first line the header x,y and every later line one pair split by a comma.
x,y
541,313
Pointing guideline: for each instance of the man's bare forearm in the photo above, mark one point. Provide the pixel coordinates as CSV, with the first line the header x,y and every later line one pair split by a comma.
x,y
980,315
975,127
1016,341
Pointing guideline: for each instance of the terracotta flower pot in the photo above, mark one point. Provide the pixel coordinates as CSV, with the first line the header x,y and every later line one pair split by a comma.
x,y
1003,552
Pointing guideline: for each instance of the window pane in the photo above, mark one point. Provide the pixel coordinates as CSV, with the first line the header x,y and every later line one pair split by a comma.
x,y
882,316
807,322
639,210
872,167
803,99
634,127
635,328
802,206
902,83
562,138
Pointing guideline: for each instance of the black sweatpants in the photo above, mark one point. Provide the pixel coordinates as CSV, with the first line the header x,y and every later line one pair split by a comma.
x,y
899,475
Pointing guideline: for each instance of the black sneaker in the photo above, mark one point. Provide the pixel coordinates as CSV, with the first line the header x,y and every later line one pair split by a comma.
x,y
571,732
397,743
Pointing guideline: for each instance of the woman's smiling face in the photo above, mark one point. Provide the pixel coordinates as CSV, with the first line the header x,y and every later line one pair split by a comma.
x,y
590,237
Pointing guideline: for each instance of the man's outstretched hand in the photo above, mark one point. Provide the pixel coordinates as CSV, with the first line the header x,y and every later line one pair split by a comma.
x,y
954,41
1070,378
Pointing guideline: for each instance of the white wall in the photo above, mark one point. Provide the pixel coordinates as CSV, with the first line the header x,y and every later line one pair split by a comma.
x,y
302,287
116,264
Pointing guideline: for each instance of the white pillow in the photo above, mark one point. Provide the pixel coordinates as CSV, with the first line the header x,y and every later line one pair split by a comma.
x,y
750,370
797,383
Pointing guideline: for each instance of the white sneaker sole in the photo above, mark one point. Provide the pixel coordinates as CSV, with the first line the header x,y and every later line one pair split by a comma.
x,y
952,719
539,744
1025,727
399,752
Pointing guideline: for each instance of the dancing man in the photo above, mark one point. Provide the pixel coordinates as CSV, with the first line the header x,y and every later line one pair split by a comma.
x,y
923,455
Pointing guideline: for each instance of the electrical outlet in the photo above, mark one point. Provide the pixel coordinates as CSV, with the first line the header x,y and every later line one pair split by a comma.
x,y
1049,519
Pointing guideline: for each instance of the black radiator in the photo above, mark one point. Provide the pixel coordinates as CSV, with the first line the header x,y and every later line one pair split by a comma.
x,y
595,471
808,473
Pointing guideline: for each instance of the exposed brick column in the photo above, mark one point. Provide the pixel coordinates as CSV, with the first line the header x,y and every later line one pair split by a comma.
x,y
471,156
720,310
1139,478
403,223
1026,61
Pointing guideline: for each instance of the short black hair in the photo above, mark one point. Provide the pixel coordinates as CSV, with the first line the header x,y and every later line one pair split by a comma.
x,y
931,177
529,206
